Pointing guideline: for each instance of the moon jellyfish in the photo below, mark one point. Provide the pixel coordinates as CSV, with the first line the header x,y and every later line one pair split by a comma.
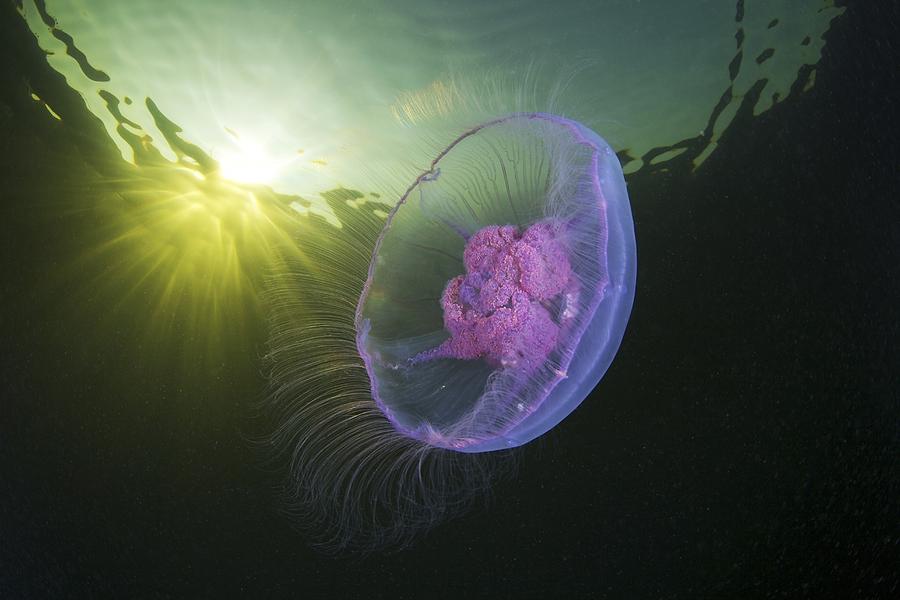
x,y
500,287
414,345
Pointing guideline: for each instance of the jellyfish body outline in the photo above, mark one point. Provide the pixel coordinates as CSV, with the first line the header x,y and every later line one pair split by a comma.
x,y
576,368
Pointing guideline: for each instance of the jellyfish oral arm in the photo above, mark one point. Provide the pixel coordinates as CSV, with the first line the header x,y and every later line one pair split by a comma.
x,y
498,310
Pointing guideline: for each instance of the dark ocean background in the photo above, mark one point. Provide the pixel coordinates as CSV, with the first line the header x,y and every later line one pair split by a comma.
x,y
744,443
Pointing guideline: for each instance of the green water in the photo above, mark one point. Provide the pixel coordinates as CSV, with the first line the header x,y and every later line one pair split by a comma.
x,y
226,121
163,231
254,83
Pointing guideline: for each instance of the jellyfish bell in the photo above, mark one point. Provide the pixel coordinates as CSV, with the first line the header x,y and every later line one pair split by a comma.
x,y
499,289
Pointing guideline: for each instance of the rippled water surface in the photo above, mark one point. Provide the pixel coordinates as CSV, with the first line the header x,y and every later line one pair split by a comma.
x,y
253,85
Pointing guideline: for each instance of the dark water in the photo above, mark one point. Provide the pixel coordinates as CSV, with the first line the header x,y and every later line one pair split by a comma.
x,y
745,444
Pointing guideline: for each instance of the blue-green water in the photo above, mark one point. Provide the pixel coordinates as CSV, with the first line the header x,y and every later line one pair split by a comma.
x,y
252,84
183,182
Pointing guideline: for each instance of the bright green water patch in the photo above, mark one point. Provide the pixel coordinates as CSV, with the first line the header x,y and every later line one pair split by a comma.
x,y
300,95
230,119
